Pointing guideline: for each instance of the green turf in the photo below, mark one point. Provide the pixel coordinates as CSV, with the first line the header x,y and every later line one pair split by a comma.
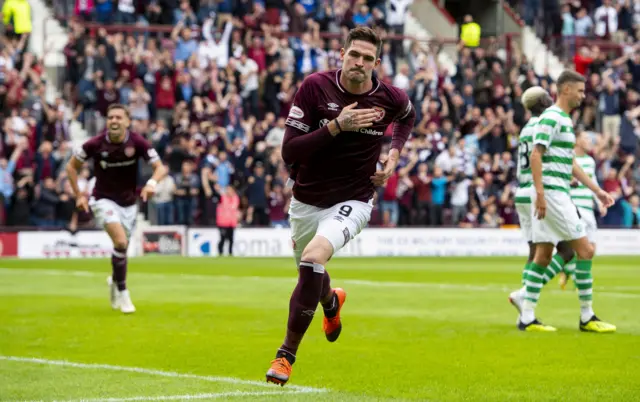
x,y
421,329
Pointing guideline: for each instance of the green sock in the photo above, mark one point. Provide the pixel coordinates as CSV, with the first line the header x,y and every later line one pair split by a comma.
x,y
535,281
554,268
584,283
524,273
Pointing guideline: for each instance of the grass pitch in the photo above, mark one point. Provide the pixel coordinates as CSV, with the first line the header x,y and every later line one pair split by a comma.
x,y
414,329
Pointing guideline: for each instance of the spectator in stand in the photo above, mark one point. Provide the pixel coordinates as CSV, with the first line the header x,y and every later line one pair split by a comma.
x,y
163,201
606,18
438,192
279,201
187,187
257,197
227,218
16,15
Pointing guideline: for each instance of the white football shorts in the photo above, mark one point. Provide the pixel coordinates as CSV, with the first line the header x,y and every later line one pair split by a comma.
x,y
106,211
338,224
561,223
523,208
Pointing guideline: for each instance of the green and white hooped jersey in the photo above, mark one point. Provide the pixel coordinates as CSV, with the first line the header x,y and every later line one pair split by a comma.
x,y
581,196
554,130
525,146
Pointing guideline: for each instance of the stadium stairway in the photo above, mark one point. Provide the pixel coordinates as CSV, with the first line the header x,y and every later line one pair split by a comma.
x,y
48,39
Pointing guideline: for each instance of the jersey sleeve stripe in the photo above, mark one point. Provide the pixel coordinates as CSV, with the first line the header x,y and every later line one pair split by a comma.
x,y
542,137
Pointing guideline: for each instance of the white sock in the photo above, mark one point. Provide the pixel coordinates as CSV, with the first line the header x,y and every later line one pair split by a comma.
x,y
528,312
586,310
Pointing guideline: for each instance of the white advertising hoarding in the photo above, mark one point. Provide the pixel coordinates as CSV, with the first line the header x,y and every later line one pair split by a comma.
x,y
64,244
403,242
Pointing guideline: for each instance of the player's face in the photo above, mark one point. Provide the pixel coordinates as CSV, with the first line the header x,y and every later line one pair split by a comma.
x,y
359,61
575,93
117,122
584,142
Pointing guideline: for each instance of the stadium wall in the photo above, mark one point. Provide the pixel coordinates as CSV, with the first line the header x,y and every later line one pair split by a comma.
x,y
258,242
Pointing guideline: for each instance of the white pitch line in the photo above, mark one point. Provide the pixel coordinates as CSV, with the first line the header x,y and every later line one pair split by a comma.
x,y
228,380
216,395
490,287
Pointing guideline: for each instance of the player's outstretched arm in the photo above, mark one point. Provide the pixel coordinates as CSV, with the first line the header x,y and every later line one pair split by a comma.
x,y
72,168
606,199
536,172
159,172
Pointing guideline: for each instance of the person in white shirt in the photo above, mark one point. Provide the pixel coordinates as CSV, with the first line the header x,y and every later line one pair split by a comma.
x,y
214,50
401,80
606,19
248,68
396,16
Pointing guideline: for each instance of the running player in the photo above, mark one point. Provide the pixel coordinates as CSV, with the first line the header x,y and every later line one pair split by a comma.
x,y
555,217
536,100
335,130
115,154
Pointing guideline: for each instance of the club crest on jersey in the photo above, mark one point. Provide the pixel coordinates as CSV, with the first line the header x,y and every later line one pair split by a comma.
x,y
129,151
380,113
296,112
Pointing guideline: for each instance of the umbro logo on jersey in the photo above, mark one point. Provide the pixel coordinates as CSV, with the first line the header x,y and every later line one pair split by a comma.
x,y
333,107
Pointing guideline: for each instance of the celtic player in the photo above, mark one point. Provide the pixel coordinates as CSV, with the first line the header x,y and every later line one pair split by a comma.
x,y
555,216
583,198
536,100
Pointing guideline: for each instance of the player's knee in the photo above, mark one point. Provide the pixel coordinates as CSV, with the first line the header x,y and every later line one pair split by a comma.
x,y
586,252
542,256
120,244
318,251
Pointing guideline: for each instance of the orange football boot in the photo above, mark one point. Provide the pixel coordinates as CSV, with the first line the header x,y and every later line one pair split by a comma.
x,y
280,371
333,326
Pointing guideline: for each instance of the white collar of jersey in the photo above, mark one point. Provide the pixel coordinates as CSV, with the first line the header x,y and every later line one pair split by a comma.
x,y
374,79
126,137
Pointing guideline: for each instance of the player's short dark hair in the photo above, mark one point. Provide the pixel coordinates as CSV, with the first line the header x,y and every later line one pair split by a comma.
x,y
115,106
569,77
365,34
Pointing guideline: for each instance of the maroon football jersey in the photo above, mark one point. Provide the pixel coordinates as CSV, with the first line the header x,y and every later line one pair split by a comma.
x,y
329,170
116,165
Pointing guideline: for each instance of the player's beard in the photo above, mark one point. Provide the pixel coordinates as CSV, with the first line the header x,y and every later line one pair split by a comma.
x,y
116,132
357,76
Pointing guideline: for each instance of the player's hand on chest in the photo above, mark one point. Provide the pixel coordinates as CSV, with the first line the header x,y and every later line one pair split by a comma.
x,y
373,113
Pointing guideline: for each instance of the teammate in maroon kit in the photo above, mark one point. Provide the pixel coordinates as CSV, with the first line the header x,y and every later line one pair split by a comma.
x,y
115,155
334,135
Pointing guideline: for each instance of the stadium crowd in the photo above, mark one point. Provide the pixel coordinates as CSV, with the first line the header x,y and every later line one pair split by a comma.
x,y
212,94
